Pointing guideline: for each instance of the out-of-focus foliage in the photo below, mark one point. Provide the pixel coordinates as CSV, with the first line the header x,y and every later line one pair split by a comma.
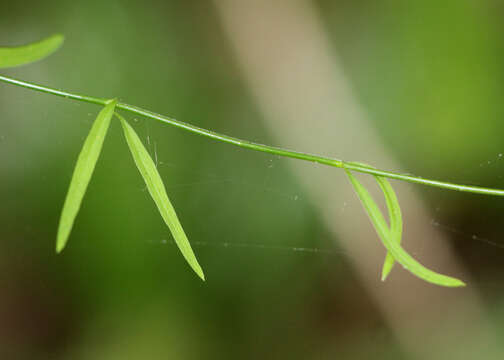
x,y
25,54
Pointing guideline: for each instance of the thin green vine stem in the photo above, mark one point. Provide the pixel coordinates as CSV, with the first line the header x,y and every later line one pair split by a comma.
x,y
256,146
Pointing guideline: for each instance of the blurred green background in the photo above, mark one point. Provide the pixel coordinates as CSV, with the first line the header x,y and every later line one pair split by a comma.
x,y
429,75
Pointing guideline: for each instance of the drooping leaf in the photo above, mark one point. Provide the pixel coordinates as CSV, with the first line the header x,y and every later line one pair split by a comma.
x,y
395,218
82,173
399,254
395,221
157,190
21,55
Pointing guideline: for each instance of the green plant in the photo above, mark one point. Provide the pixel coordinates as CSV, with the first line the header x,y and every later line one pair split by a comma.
x,y
390,234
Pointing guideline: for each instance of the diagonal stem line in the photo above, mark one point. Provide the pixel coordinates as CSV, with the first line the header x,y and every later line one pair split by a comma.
x,y
256,146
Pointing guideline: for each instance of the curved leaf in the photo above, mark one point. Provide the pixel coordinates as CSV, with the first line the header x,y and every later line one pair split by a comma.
x,y
82,173
157,190
400,255
395,220
21,55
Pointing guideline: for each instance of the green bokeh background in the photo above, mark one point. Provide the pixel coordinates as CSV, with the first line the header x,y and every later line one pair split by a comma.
x,y
431,77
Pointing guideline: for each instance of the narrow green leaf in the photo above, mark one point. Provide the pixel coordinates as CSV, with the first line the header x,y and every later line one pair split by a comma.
x,y
395,218
83,172
157,190
21,55
400,255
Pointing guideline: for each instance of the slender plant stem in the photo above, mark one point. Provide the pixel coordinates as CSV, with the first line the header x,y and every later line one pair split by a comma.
x,y
256,146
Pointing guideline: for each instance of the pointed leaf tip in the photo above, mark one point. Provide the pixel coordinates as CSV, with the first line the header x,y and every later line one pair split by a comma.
x,y
82,173
393,247
22,55
157,190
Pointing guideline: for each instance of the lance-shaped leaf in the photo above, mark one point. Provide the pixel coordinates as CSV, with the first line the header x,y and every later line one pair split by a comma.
x,y
82,173
157,190
21,55
400,255
395,219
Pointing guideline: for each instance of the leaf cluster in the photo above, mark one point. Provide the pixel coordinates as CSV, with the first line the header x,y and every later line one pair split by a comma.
x,y
389,233
90,152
